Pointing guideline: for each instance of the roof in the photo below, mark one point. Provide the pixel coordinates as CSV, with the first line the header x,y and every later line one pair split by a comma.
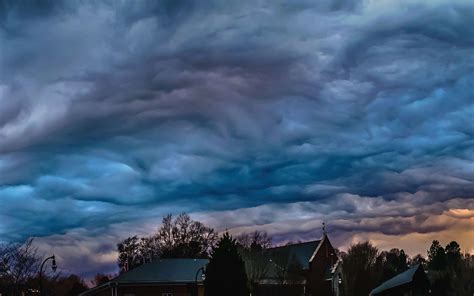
x,y
160,271
164,271
301,252
398,280
296,255
319,246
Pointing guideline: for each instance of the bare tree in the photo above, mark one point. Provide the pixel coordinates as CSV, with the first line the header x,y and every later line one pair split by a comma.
x,y
148,249
18,264
184,238
279,261
257,260
256,239
175,238
129,254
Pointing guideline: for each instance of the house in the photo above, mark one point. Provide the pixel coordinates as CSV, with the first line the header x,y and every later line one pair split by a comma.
x,y
412,282
310,268
162,277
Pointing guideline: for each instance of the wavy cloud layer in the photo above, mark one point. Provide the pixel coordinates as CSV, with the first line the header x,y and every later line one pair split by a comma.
x,y
260,114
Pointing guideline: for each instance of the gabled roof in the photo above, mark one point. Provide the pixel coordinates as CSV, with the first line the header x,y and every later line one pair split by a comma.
x,y
398,280
301,252
164,271
288,257
319,246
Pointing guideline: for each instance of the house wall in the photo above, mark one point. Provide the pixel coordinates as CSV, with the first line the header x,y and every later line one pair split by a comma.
x,y
279,290
176,290
337,279
318,268
158,290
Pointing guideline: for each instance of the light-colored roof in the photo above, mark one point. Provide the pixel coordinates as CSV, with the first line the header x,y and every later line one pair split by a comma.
x,y
398,280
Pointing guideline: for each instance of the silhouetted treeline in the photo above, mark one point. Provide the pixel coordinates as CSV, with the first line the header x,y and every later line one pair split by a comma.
x,y
58,285
364,266
19,273
450,272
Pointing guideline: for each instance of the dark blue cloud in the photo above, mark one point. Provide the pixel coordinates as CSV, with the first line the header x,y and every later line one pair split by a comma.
x,y
113,113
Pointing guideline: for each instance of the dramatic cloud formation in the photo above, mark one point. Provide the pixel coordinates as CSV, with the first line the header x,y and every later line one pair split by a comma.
x,y
264,114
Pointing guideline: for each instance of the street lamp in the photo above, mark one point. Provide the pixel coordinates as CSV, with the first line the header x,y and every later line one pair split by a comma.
x,y
53,267
203,277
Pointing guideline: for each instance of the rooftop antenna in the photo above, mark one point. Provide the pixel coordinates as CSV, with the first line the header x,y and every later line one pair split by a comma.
x,y
324,228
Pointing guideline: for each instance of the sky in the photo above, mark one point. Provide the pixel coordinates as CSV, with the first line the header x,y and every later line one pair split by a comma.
x,y
248,115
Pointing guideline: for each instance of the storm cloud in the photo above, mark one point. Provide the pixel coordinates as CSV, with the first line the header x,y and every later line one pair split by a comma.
x,y
259,114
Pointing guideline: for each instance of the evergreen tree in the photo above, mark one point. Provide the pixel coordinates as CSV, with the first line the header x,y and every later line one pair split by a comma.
x,y
453,256
225,273
436,256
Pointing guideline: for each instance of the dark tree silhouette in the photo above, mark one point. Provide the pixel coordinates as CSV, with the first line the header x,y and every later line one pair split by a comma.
x,y
437,265
453,256
184,238
76,288
391,263
176,238
129,254
252,249
225,273
100,279
18,264
255,240
359,267
60,285
463,283
436,256
70,285
19,267
419,259
448,270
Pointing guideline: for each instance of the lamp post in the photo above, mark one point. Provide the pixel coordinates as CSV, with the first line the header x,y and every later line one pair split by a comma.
x,y
53,267
203,277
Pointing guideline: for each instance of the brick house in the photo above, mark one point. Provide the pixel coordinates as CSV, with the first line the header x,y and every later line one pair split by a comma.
x,y
310,268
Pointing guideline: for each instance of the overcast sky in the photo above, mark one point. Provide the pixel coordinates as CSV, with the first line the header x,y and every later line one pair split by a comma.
x,y
269,115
